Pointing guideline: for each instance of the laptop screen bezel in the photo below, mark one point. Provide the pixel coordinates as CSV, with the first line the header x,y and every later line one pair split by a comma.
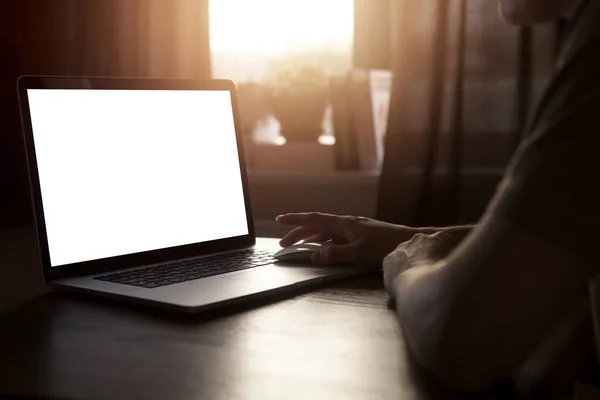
x,y
138,259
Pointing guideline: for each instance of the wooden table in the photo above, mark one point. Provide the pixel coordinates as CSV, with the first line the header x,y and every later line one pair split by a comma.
x,y
341,341
338,342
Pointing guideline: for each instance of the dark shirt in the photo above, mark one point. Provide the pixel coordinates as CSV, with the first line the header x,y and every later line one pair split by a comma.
x,y
551,187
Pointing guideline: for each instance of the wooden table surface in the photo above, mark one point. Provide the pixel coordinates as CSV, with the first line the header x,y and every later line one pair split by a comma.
x,y
340,341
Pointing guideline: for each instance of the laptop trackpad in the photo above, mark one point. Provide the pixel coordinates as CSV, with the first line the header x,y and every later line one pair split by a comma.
x,y
248,282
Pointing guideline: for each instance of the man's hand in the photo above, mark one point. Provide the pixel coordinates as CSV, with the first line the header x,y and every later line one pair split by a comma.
x,y
345,238
422,249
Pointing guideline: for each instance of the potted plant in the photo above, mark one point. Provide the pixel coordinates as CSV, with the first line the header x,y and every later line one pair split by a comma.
x,y
298,101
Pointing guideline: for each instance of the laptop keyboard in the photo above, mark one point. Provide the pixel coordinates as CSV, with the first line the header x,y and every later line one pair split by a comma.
x,y
182,271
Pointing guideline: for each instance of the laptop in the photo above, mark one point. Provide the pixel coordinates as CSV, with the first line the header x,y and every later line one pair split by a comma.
x,y
140,193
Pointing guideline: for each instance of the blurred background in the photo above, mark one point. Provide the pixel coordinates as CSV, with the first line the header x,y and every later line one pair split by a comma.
x,y
400,110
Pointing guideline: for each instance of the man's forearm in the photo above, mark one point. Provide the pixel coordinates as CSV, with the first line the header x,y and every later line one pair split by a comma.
x,y
473,317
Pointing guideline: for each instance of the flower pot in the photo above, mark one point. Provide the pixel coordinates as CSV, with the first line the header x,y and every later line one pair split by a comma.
x,y
300,114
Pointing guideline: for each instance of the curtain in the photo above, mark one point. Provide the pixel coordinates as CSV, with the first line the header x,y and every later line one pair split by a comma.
x,y
115,37
464,81
133,38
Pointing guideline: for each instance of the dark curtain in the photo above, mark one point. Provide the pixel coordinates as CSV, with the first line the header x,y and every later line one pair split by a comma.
x,y
464,82
142,38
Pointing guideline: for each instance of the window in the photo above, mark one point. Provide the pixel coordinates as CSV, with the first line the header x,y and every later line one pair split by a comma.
x,y
256,42
251,38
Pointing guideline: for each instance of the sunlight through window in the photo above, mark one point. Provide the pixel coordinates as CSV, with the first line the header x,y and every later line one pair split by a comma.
x,y
252,39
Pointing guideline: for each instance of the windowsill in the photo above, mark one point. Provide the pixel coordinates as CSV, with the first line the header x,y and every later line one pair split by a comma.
x,y
350,192
314,177
337,192
353,177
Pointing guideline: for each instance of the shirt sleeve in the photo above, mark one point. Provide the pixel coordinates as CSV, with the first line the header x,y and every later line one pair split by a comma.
x,y
551,187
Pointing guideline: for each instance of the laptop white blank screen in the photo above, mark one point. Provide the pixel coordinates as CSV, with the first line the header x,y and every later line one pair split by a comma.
x,y
127,171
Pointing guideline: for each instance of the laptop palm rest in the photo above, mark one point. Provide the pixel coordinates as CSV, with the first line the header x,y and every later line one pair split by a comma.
x,y
218,290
